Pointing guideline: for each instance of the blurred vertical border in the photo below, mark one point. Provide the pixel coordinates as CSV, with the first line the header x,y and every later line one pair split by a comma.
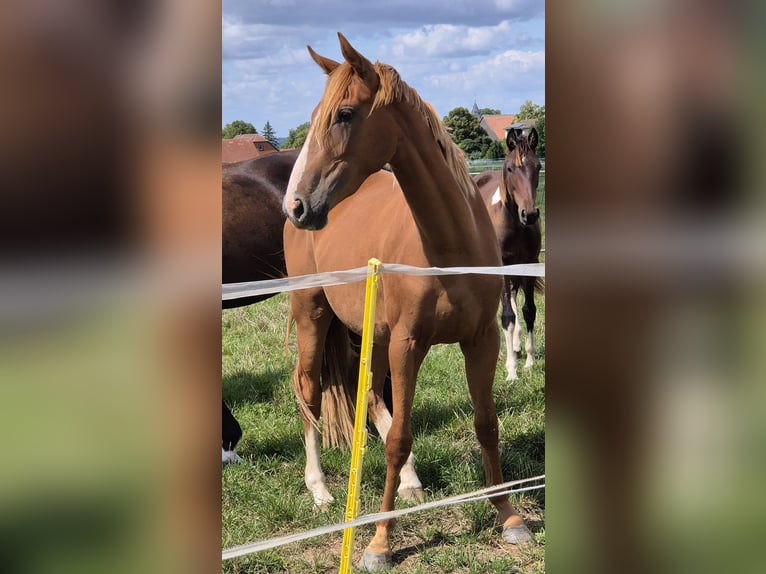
x,y
110,286
655,286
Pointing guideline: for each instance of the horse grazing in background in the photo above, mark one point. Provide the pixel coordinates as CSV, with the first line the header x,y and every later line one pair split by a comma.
x,y
343,210
509,195
252,222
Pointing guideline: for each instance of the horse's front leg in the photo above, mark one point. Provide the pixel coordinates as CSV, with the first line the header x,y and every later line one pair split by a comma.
x,y
410,487
405,359
311,332
508,322
480,360
530,313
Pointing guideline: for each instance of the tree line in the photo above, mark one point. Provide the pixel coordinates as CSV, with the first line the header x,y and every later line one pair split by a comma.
x,y
464,127
239,127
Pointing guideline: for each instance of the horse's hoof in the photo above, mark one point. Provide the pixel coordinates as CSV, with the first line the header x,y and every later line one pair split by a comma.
x,y
517,534
229,456
375,562
512,376
412,494
323,504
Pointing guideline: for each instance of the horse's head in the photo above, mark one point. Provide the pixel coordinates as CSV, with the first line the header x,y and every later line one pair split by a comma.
x,y
521,171
351,137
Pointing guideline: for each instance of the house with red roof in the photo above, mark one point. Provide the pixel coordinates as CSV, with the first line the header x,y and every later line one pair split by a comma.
x,y
245,146
497,125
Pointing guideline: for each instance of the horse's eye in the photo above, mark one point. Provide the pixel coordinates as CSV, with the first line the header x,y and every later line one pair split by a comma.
x,y
345,115
510,169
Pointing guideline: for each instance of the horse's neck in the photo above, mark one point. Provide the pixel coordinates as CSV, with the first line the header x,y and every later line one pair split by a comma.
x,y
441,210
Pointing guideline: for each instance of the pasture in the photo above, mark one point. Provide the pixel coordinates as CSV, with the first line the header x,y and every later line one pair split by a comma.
x,y
265,496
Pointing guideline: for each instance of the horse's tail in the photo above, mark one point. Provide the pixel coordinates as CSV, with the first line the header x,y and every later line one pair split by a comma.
x,y
540,285
338,388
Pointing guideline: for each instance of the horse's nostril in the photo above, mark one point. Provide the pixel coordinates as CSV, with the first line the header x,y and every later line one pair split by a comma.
x,y
297,209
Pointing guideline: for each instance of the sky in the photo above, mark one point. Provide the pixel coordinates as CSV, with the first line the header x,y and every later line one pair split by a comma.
x,y
452,52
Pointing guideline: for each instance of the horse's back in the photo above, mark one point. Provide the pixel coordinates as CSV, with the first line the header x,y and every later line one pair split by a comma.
x,y
252,218
487,182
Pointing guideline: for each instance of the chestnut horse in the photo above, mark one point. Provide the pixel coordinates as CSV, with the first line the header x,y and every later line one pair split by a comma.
x,y
252,223
509,195
251,233
344,210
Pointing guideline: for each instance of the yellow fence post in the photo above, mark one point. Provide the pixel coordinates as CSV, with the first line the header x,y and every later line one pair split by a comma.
x,y
360,420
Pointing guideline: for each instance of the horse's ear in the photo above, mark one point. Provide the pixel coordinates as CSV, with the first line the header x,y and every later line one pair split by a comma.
x,y
510,139
362,66
532,139
326,64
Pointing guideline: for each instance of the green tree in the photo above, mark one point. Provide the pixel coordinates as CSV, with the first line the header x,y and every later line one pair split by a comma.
x,y
297,136
496,150
489,112
466,132
236,128
268,133
530,111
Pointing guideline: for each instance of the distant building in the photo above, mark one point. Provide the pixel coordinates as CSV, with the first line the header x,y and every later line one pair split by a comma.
x,y
497,125
245,146
523,125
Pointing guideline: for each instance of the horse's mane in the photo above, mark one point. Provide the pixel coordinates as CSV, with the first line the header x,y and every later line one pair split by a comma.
x,y
392,89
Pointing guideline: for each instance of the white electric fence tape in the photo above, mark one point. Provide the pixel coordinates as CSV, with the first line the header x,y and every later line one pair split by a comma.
x,y
326,279
484,493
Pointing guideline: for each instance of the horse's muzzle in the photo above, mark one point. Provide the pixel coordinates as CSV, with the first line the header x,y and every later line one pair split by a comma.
x,y
529,217
303,218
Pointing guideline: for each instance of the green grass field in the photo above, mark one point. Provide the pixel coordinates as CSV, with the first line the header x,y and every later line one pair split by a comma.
x,y
265,496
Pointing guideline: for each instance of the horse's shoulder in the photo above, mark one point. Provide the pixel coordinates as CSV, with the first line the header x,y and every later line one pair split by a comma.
x,y
485,178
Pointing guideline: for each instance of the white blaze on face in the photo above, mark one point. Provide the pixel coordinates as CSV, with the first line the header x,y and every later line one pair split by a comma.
x,y
495,197
297,174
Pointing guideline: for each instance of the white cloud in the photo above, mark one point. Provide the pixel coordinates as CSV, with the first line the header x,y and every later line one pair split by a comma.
x,y
441,40
450,52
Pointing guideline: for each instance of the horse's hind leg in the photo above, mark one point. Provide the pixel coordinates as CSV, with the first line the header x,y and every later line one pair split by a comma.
x,y
508,321
410,487
530,313
312,321
515,282
480,360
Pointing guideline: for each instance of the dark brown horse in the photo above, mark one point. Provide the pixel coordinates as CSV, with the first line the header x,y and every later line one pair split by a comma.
x,y
509,195
252,222
344,210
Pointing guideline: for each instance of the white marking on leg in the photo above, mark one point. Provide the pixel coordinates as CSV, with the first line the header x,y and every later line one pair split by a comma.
x,y
496,196
530,348
314,477
516,324
510,355
228,456
408,477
